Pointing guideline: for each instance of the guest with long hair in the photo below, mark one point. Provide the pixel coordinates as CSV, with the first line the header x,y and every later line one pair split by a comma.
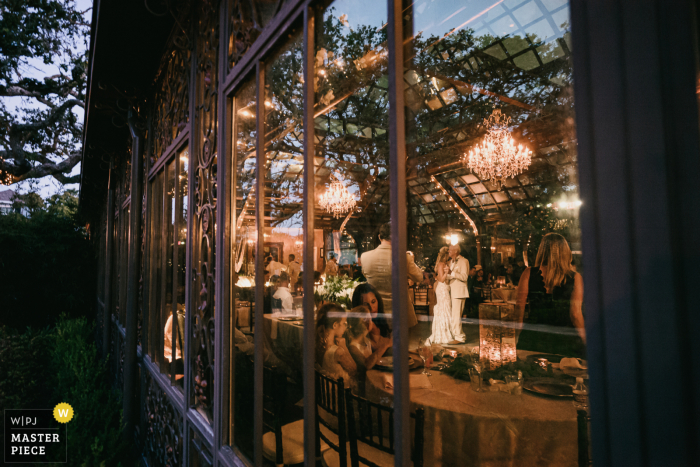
x,y
361,348
555,293
332,354
367,295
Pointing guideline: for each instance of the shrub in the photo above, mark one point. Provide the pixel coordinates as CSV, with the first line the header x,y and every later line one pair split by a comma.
x,y
94,436
24,368
46,265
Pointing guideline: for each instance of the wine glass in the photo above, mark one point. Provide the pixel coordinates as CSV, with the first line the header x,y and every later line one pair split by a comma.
x,y
426,354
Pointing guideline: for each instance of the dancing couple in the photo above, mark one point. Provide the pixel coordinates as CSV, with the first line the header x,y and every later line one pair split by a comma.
x,y
451,291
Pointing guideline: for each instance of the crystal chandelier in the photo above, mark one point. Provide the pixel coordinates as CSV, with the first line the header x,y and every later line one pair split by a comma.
x,y
497,157
337,199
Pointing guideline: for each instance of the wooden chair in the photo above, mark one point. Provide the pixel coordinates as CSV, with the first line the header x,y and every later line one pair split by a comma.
x,y
283,445
374,429
421,304
330,397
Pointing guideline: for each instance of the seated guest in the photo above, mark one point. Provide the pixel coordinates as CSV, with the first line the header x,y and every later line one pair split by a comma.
x,y
317,277
357,274
282,293
363,352
332,354
368,296
555,293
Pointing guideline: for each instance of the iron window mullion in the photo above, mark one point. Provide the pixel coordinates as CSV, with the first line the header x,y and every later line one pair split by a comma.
x,y
308,259
397,151
259,272
176,217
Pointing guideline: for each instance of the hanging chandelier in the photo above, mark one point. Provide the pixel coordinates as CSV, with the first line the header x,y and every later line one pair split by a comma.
x,y
497,157
337,199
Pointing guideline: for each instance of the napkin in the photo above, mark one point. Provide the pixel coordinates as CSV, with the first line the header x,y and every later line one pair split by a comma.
x,y
573,363
419,381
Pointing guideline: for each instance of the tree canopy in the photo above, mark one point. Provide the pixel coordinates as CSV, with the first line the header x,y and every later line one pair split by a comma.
x,y
43,63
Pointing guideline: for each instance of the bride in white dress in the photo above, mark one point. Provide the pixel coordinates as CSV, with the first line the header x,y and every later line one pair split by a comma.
x,y
442,333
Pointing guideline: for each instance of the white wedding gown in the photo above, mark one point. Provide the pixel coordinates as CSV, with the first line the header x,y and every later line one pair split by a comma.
x,y
442,315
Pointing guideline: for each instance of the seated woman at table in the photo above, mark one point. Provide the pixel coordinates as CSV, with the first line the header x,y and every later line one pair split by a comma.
x,y
368,296
555,293
361,348
332,354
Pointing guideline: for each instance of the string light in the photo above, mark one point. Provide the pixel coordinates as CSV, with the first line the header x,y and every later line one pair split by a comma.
x,y
454,202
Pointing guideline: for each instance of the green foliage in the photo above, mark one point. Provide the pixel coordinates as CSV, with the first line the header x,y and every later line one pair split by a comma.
x,y
337,289
459,369
81,381
39,369
46,266
24,366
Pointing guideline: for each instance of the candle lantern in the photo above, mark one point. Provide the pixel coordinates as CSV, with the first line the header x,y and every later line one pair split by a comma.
x,y
496,335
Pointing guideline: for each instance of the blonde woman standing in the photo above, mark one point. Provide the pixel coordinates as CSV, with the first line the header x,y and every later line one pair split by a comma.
x,y
442,315
555,292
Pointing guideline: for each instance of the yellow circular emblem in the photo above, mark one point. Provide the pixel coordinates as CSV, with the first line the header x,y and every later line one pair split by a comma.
x,y
63,413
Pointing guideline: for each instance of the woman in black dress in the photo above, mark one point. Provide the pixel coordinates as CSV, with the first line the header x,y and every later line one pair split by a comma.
x,y
555,293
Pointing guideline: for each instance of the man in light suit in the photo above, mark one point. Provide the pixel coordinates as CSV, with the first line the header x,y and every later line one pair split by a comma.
x,y
376,267
457,280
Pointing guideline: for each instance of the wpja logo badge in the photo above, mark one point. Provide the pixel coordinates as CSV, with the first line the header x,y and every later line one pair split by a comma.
x,y
37,435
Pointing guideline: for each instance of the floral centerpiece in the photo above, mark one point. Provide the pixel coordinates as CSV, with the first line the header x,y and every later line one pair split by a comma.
x,y
337,289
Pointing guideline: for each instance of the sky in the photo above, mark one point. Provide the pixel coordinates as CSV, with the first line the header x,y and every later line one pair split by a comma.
x,y
46,186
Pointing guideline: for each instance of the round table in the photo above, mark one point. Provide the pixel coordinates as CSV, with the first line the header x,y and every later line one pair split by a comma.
x,y
464,427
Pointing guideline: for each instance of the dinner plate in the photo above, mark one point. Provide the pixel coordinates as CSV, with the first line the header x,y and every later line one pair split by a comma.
x,y
548,387
290,319
387,363
552,358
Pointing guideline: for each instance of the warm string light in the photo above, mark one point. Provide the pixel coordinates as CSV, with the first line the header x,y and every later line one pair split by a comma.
x,y
496,157
337,199
454,203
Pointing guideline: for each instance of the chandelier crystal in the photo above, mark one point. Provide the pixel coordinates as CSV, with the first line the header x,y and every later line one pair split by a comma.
x,y
496,157
337,199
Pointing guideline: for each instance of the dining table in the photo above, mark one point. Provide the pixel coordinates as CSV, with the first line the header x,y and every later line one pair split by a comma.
x,y
489,428
283,336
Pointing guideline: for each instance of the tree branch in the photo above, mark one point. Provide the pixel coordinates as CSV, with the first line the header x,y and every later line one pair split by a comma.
x,y
58,171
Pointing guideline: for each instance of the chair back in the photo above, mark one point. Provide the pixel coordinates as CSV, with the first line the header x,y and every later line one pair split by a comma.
x,y
421,303
330,396
373,425
274,400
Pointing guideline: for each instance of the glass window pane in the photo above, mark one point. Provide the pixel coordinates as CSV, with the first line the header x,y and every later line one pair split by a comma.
x,y
352,247
155,267
489,111
283,236
169,215
241,391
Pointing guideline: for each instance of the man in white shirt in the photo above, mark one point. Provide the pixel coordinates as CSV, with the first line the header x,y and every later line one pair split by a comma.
x,y
457,280
275,268
283,294
294,268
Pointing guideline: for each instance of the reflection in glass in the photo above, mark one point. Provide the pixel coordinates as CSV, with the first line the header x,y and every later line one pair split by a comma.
x,y
155,267
283,243
477,231
243,242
